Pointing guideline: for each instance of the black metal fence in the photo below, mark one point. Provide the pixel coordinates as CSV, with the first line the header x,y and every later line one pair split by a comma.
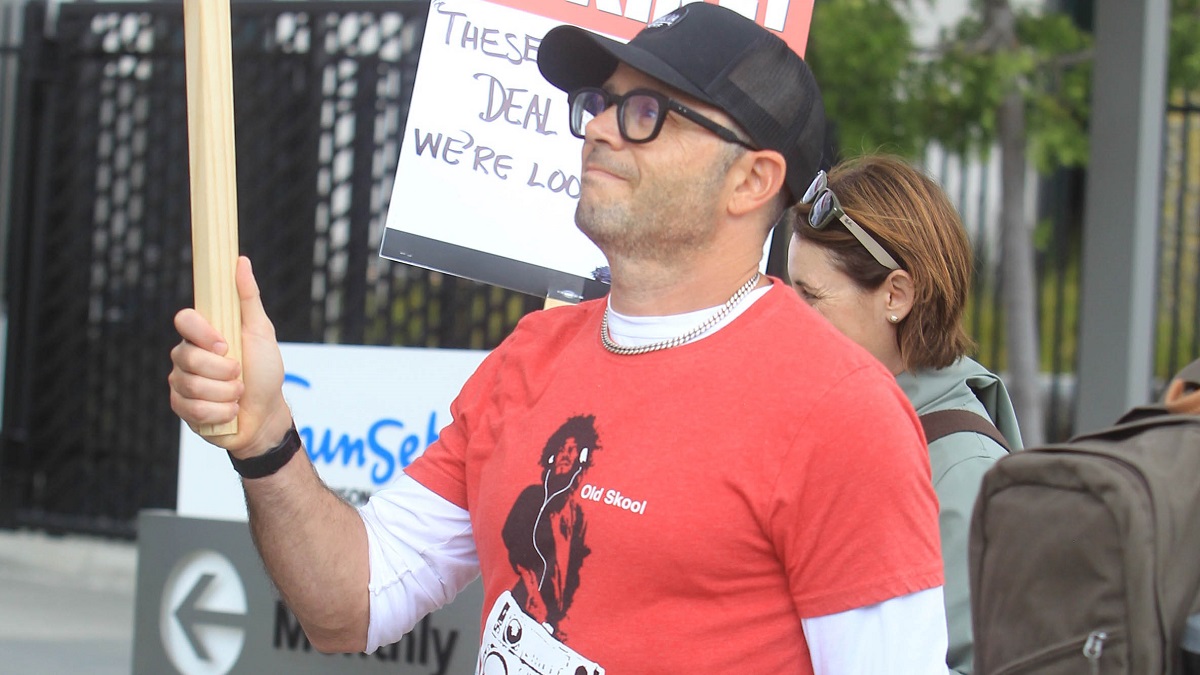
x,y
1179,244
973,185
10,40
99,252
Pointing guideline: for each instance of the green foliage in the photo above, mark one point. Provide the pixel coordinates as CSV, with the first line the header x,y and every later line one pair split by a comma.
x,y
961,92
884,93
1183,50
1058,90
973,71
860,52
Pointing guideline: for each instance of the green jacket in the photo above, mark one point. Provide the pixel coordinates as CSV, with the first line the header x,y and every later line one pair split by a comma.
x,y
958,462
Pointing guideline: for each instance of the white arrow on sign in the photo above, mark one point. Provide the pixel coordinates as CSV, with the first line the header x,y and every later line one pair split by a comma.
x,y
190,615
202,618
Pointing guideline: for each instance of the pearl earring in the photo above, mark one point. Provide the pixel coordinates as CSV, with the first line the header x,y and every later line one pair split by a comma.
x,y
894,319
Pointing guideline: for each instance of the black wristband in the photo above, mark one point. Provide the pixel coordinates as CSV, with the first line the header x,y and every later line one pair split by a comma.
x,y
270,461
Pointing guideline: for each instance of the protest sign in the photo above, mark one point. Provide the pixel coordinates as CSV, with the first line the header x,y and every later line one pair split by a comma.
x,y
488,175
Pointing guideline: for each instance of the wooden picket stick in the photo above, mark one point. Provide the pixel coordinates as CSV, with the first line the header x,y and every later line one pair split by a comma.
x,y
209,61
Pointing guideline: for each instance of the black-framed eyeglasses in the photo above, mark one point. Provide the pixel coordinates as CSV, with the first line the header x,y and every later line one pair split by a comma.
x,y
640,114
826,208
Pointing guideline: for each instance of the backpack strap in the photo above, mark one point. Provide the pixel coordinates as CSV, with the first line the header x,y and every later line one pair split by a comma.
x,y
940,423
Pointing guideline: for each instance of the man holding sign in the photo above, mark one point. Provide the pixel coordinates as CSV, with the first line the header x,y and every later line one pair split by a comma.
x,y
664,480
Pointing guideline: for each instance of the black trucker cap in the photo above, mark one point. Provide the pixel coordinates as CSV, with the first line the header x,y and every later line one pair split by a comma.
x,y
717,56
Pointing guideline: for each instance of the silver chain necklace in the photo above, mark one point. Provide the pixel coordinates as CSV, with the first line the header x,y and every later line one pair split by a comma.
x,y
610,345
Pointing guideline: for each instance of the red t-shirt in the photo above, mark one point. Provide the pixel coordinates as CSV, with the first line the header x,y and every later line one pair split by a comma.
x,y
682,510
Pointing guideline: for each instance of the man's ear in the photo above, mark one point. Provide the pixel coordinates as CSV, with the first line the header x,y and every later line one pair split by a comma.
x,y
899,294
759,176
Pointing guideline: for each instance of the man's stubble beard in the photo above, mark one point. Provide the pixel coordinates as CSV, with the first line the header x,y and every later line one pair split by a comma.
x,y
659,221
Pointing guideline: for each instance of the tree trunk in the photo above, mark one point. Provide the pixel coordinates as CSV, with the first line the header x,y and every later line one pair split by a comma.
x,y
1019,283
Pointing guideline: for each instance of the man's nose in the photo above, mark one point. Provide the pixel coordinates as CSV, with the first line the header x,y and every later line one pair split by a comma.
x,y
604,128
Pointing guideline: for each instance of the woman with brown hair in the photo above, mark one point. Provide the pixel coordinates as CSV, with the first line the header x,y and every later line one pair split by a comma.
x,y
879,250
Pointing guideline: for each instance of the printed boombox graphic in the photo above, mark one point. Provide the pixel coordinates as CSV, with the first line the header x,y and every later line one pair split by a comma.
x,y
515,644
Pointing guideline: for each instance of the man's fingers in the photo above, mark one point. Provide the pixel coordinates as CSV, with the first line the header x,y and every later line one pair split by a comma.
x,y
195,329
191,359
193,386
198,412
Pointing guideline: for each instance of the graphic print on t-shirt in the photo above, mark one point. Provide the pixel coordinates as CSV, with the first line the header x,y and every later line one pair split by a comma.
x,y
515,644
546,532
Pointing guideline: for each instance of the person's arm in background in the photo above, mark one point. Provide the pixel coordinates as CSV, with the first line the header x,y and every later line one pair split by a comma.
x,y
314,545
957,488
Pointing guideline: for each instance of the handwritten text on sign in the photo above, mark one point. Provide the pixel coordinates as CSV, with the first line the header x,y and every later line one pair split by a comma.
x,y
506,104
488,137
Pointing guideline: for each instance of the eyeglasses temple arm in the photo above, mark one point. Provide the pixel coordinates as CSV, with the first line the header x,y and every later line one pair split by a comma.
x,y
881,256
724,134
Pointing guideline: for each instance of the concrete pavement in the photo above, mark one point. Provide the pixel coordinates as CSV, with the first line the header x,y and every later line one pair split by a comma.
x,y
66,604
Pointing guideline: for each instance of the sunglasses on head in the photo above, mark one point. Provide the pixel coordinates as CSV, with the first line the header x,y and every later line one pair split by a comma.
x,y
640,114
825,209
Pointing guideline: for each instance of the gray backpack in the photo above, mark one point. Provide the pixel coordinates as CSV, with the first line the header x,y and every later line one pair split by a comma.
x,y
1085,555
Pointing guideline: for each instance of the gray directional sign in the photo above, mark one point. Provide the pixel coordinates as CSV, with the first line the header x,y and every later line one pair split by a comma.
x,y
204,606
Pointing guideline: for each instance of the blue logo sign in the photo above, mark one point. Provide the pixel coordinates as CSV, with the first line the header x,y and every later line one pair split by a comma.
x,y
385,446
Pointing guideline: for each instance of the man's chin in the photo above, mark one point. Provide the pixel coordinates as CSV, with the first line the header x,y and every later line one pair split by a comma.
x,y
586,219
595,216
595,235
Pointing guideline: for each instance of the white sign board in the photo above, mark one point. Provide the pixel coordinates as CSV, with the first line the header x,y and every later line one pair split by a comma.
x,y
364,414
487,180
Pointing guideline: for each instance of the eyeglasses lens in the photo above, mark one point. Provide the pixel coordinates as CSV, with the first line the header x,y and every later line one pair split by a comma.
x,y
639,113
815,187
822,209
585,107
639,117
